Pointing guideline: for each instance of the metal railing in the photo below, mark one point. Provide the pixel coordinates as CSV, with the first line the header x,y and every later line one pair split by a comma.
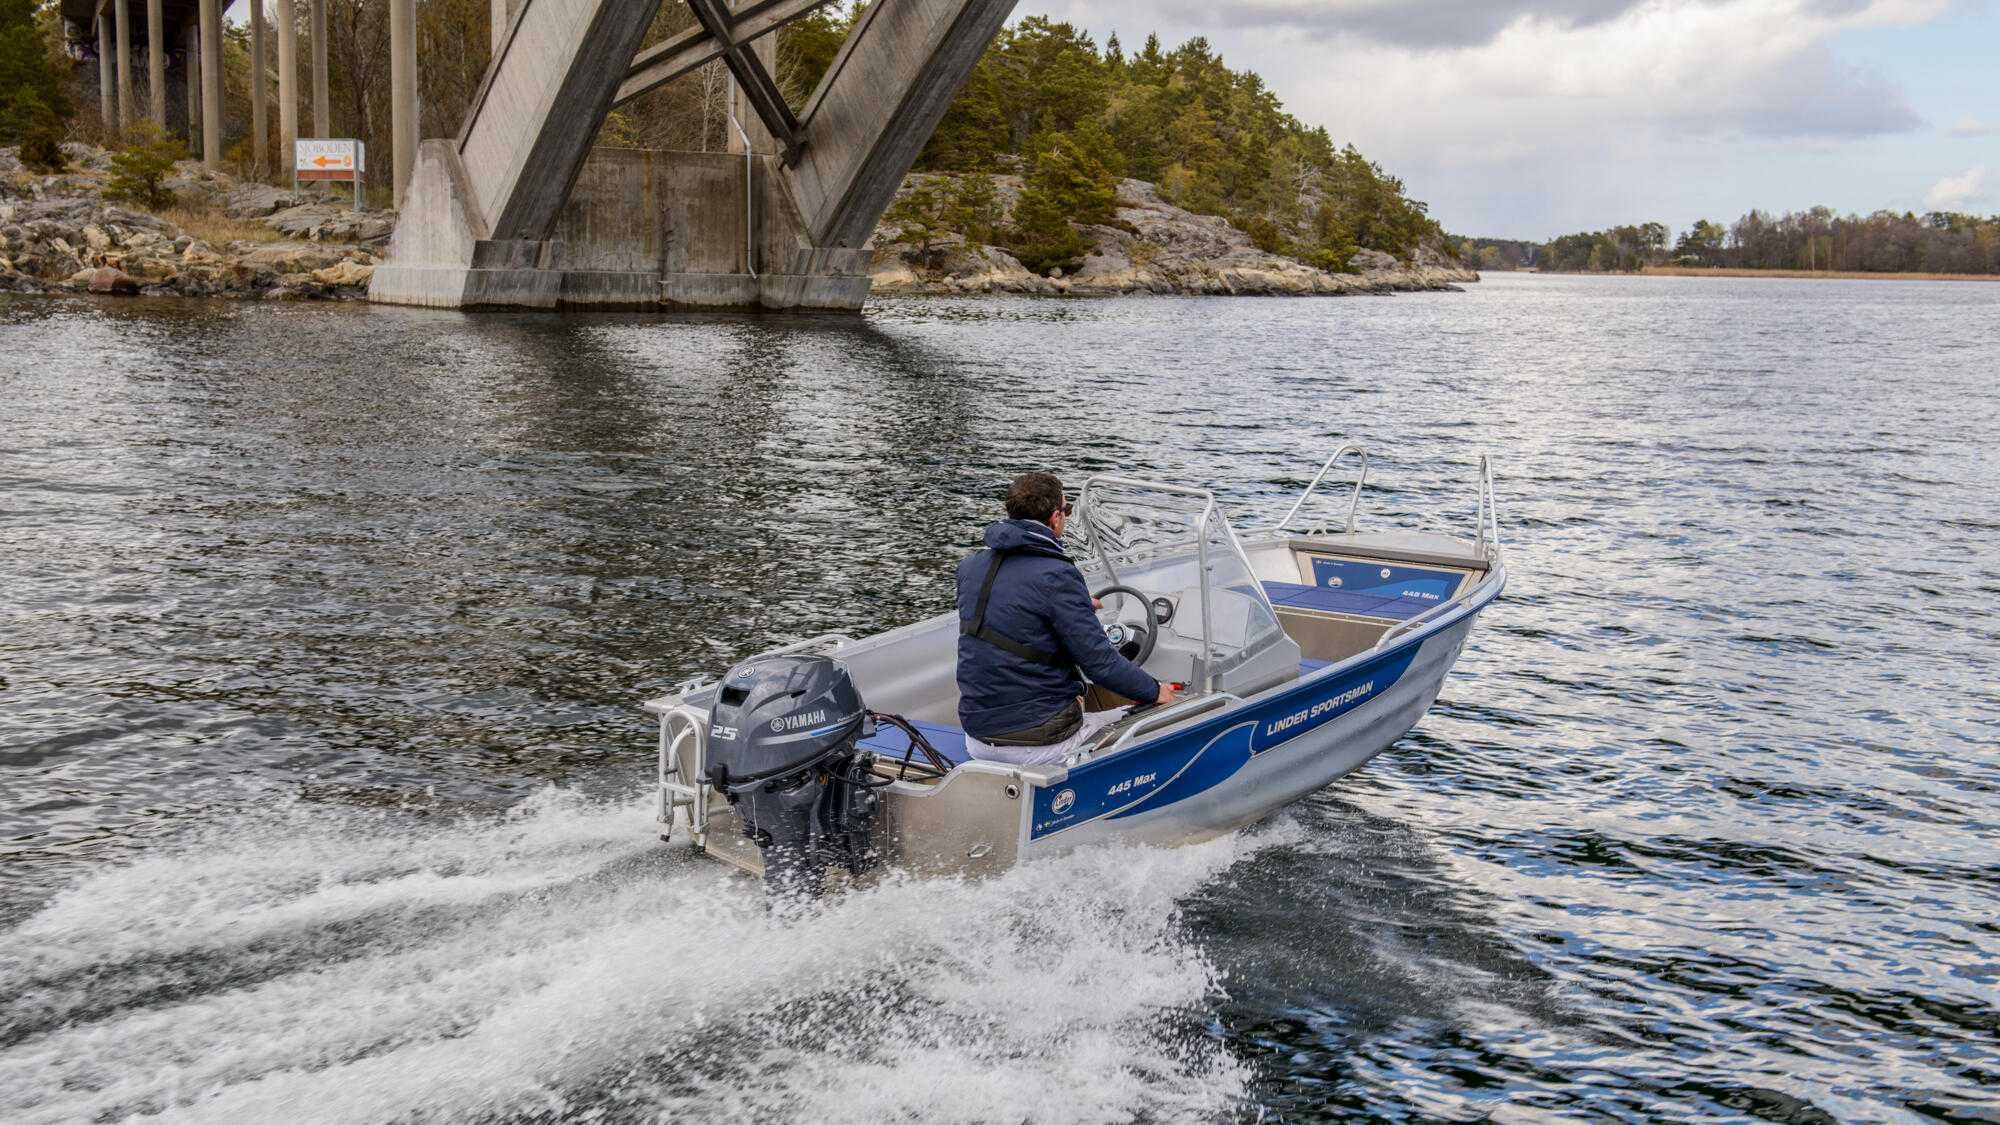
x,y
1209,511
1489,512
749,195
683,771
1354,501
1488,546
830,641
1150,721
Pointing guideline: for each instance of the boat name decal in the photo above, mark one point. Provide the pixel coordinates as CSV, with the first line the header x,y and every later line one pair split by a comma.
x,y
1126,785
1318,709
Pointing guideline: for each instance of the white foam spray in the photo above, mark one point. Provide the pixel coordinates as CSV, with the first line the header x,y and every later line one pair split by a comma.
x,y
310,965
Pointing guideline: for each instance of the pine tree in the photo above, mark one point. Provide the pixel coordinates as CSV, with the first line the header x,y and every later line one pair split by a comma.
x,y
139,170
33,99
1066,184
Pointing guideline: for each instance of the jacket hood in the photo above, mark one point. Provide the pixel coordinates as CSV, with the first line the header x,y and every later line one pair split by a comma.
x,y
1027,536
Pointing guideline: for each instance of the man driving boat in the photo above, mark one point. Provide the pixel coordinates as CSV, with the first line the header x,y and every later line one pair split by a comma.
x,y
1027,630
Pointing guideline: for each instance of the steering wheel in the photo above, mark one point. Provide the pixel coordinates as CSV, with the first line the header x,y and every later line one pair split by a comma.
x,y
1134,640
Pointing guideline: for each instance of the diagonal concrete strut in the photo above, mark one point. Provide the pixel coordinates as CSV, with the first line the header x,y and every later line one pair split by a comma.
x,y
879,104
759,89
684,52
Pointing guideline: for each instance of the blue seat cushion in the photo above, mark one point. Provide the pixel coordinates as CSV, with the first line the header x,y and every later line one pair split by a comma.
x,y
1296,595
890,742
1308,667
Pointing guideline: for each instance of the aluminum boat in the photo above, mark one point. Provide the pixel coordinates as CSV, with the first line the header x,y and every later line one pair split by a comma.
x,y
1304,653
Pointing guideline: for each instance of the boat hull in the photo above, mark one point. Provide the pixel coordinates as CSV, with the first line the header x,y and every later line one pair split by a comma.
x,y
1252,760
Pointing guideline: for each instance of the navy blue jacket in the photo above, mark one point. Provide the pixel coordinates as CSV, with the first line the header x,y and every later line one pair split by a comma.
x,y
1039,600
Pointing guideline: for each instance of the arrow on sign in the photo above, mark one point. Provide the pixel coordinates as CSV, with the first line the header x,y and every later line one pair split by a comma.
x,y
322,161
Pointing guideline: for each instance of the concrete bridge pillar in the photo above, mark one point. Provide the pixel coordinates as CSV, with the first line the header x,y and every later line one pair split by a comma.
x,y
260,141
322,98
107,83
121,28
211,84
402,93
517,212
156,62
288,83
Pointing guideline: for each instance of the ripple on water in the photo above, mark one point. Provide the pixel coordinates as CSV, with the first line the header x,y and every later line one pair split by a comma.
x,y
293,651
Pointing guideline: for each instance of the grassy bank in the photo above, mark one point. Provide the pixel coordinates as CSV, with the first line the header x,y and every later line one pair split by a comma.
x,y
1849,275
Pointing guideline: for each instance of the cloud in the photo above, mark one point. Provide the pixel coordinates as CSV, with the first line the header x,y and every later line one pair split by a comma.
x,y
1532,117
1408,23
1969,126
1958,193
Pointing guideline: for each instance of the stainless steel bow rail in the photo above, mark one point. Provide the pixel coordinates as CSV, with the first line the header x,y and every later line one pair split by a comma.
x,y
1487,544
1486,523
1353,502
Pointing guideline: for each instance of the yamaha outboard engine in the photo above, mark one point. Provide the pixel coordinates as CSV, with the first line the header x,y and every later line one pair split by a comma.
x,y
781,748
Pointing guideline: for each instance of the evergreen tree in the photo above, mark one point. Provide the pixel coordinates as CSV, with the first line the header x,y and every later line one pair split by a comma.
x,y
139,170
33,100
1216,140
1066,184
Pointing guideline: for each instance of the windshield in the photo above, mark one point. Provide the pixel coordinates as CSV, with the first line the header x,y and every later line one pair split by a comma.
x,y
1175,542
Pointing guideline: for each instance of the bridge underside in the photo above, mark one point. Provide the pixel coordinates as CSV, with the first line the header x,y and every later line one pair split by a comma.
x,y
519,211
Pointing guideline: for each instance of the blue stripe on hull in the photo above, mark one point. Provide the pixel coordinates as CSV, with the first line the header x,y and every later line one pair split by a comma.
x,y
1195,760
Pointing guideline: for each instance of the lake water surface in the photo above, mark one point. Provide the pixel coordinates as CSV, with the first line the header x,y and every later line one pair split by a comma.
x,y
323,629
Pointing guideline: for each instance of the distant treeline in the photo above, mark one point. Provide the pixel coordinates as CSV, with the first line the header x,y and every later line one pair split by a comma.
x,y
1884,242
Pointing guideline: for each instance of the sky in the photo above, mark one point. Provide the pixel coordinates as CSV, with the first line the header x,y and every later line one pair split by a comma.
x,y
1533,118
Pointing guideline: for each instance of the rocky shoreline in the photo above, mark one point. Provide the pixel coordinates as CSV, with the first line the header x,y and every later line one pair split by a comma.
x,y
58,234
1155,247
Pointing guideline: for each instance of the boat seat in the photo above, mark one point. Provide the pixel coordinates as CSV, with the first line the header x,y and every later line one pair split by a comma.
x,y
1297,595
889,742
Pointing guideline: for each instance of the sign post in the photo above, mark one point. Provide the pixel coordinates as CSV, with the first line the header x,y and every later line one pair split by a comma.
x,y
319,158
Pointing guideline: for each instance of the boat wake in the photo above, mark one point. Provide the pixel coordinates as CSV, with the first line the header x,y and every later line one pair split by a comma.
x,y
559,962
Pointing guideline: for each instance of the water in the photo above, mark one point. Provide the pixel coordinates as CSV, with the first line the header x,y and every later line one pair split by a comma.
x,y
323,628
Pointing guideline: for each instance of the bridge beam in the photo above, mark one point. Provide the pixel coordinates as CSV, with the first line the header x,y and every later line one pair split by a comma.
x,y
759,89
518,212
879,104
690,49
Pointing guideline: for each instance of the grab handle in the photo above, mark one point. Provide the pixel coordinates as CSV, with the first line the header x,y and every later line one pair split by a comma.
x,y
1164,717
1353,502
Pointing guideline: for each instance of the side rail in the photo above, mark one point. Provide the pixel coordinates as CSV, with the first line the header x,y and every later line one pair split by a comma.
x,y
684,789
1149,721
1353,501
827,642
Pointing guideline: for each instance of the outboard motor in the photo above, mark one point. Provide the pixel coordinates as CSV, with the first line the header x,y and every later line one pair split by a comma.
x,y
781,747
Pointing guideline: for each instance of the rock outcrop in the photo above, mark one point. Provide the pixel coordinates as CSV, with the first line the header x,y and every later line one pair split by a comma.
x,y
1155,247
58,234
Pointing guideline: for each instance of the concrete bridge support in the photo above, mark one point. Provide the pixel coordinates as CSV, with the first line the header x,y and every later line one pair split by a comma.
x,y
156,63
518,212
211,84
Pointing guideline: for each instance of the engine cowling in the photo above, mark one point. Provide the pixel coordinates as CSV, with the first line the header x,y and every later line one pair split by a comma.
x,y
781,748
